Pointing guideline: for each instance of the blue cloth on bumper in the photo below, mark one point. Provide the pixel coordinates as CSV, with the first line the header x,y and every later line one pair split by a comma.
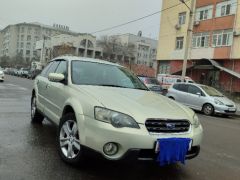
x,y
172,150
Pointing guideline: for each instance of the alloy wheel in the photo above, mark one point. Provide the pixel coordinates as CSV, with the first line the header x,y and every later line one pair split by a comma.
x,y
208,109
69,139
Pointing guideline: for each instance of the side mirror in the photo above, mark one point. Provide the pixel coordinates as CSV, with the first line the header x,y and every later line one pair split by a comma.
x,y
199,94
56,77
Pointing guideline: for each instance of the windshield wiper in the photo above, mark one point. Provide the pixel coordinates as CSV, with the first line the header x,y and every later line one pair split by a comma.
x,y
111,85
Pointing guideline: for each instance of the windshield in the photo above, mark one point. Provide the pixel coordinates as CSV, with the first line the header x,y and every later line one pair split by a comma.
x,y
211,91
97,74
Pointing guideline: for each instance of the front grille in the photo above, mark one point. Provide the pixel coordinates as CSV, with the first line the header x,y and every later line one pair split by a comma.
x,y
167,126
227,111
230,105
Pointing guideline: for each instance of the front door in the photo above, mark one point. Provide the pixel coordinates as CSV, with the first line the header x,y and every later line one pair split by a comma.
x,y
56,93
195,98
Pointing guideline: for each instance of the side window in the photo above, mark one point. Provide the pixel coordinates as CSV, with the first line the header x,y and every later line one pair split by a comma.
x,y
183,87
44,71
194,89
176,86
52,68
62,68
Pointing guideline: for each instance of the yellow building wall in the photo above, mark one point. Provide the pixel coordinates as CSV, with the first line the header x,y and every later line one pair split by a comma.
x,y
168,32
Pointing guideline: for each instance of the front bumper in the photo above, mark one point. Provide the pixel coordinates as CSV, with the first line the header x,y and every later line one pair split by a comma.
x,y
150,155
96,134
223,109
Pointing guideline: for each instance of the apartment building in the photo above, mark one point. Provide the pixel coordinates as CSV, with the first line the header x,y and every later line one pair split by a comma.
x,y
83,45
145,49
21,38
214,52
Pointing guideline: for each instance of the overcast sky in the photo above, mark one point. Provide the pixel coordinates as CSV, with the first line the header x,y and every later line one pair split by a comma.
x,y
84,15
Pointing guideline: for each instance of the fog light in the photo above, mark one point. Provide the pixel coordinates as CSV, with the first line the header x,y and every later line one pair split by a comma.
x,y
110,149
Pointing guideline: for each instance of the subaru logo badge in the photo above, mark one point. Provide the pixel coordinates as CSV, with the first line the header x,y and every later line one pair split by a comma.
x,y
170,125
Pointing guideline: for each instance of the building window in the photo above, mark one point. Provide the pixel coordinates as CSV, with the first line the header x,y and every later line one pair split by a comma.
x,y
28,38
226,8
36,38
204,13
35,53
151,64
164,68
22,30
29,30
222,38
22,37
27,52
28,46
179,43
182,18
22,44
200,40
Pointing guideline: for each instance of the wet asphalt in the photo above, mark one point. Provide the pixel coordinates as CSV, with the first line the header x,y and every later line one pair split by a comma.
x,y
28,151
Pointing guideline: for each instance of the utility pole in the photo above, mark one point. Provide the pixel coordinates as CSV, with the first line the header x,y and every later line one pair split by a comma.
x,y
189,36
42,53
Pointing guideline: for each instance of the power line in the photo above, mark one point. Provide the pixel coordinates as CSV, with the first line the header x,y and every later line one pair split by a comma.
x,y
135,20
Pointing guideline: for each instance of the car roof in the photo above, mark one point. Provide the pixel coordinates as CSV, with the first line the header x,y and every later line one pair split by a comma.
x,y
190,83
76,58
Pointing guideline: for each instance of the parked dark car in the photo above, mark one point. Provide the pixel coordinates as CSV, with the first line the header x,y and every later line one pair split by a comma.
x,y
152,84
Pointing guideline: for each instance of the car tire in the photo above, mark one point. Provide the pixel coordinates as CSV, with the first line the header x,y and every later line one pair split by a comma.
x,y
36,116
208,109
171,98
69,147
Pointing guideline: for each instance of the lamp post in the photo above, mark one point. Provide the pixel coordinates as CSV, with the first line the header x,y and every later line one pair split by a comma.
x,y
189,36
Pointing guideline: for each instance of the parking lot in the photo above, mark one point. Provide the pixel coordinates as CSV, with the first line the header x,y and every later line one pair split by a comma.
x,y
28,151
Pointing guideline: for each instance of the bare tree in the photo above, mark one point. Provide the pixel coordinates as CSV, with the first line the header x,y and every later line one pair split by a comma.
x,y
63,49
114,48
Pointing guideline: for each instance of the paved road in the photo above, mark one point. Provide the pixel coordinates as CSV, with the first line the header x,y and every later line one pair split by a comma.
x,y
28,151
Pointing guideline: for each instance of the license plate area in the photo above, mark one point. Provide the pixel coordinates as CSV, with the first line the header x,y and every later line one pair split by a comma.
x,y
232,109
157,146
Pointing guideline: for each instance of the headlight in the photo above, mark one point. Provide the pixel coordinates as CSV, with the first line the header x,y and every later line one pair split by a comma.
x,y
117,119
196,122
218,102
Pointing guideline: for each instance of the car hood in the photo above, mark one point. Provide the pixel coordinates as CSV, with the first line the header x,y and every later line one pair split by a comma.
x,y
139,104
225,100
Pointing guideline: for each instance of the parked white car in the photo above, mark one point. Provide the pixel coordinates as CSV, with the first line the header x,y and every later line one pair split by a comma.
x,y
103,107
166,80
1,75
202,98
